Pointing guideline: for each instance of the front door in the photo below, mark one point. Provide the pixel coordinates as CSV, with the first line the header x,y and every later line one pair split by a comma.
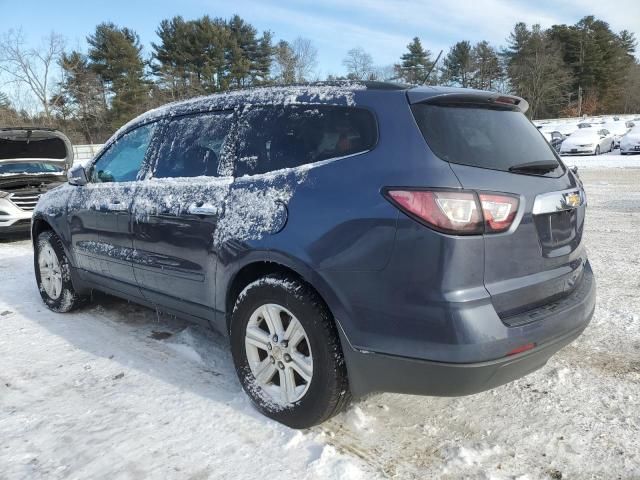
x,y
176,213
100,212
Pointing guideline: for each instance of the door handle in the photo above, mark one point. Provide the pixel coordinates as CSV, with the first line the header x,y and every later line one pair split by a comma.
x,y
203,209
115,206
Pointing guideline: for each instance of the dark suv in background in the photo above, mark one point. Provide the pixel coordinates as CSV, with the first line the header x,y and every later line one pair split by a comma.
x,y
348,238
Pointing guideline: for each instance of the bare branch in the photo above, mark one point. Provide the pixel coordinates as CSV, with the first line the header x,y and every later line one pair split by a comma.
x,y
31,66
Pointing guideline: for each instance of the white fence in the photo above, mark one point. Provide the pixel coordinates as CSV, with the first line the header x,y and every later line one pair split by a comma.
x,y
84,153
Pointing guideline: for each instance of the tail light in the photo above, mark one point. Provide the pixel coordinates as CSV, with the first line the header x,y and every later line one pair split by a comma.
x,y
499,211
457,212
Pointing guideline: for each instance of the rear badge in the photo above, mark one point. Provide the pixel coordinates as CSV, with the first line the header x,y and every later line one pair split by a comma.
x,y
572,199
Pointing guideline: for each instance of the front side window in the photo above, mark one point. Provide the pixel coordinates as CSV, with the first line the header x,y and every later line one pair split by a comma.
x,y
123,160
274,138
196,145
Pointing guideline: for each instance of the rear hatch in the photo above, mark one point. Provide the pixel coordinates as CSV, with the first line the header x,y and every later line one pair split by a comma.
x,y
492,147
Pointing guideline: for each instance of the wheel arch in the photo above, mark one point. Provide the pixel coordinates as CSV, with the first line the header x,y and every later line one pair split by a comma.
x,y
278,263
39,225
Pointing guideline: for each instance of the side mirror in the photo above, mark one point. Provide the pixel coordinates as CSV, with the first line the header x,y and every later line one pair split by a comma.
x,y
77,176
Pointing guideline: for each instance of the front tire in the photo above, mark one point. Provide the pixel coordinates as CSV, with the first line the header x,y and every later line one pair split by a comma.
x,y
53,274
597,152
287,353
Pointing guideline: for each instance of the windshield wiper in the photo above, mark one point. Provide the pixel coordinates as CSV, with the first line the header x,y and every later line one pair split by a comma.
x,y
542,166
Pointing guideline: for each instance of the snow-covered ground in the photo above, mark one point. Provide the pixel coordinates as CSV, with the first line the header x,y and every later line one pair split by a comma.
x,y
606,160
117,391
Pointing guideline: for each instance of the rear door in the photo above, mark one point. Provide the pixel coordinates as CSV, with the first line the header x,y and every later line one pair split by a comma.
x,y
497,149
176,212
100,211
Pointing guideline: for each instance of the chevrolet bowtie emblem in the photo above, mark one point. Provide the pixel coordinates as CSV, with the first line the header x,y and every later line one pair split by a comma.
x,y
572,199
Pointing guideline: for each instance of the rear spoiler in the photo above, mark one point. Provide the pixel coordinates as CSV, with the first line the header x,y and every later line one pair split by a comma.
x,y
477,98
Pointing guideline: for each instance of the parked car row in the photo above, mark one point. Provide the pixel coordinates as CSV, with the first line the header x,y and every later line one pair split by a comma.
x,y
590,136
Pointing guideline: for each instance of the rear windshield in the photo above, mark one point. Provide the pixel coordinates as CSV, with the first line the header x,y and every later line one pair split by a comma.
x,y
45,148
482,137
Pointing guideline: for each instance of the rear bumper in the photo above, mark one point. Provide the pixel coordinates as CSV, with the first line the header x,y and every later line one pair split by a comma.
x,y
590,151
371,372
378,372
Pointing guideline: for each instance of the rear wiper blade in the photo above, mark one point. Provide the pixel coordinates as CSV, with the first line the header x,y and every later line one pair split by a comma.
x,y
541,166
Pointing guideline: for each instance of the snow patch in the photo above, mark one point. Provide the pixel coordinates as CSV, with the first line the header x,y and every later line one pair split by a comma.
x,y
333,465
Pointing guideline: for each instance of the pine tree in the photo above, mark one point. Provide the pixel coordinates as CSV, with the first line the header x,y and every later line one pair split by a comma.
x,y
115,56
263,59
536,70
243,54
599,60
5,104
458,68
81,95
488,72
415,64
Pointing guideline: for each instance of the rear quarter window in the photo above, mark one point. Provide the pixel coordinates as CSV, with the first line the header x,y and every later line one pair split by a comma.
x,y
275,138
481,137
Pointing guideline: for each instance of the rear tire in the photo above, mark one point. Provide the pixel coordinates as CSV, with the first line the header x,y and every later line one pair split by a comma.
x,y
266,309
53,274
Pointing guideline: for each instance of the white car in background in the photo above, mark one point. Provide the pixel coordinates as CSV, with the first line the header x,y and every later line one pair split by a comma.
x,y
617,129
630,143
588,141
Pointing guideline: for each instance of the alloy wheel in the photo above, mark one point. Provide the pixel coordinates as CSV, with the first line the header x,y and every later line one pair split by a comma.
x,y
279,353
50,272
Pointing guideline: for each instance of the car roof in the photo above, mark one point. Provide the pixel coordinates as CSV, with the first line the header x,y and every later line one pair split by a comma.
x,y
329,93
340,93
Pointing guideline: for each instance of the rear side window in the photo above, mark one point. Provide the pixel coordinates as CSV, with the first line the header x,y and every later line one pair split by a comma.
x,y
273,138
195,145
481,137
32,148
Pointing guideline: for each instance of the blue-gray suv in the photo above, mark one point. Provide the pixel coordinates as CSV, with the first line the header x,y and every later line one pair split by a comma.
x,y
349,238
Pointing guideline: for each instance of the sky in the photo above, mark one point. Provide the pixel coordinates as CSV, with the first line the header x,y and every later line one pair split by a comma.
x,y
382,27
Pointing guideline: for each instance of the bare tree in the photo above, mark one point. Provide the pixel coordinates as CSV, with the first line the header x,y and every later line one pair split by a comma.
x,y
359,64
306,58
32,67
295,61
284,63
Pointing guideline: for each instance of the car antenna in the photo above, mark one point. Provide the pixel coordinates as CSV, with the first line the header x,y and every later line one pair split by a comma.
x,y
432,67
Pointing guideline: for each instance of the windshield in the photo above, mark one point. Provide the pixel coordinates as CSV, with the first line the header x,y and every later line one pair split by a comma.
x,y
483,137
29,168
